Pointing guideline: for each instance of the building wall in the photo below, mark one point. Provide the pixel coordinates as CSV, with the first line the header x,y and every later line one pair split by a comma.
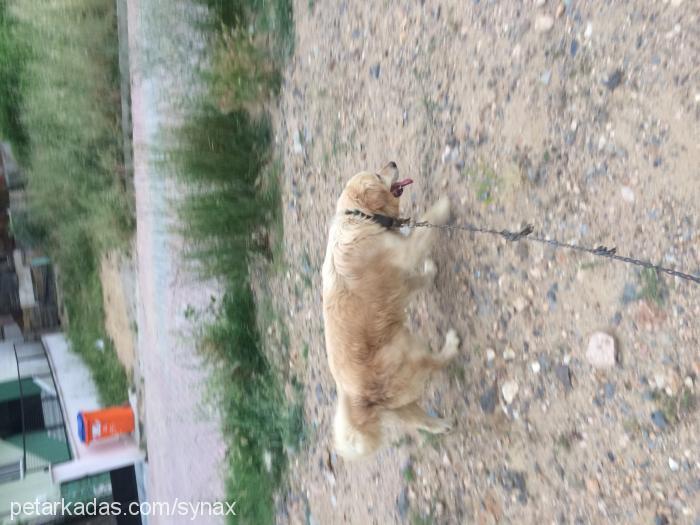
x,y
8,365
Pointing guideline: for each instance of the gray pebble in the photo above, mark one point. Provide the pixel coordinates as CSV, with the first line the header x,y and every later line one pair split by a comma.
x,y
514,480
563,373
488,400
609,390
402,503
659,419
552,296
629,293
574,47
374,70
614,80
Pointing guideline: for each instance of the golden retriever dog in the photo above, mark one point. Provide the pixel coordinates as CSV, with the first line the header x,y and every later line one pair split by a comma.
x,y
370,272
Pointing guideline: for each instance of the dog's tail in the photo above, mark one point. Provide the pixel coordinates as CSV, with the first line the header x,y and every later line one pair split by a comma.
x,y
356,430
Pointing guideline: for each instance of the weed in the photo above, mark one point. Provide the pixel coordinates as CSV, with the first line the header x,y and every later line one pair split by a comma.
x,y
422,519
653,288
565,440
231,220
674,408
485,180
430,439
408,473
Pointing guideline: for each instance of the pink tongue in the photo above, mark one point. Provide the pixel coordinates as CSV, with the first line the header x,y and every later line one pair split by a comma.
x,y
397,187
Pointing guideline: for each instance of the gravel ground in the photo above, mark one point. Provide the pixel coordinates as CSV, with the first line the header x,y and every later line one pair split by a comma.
x,y
581,118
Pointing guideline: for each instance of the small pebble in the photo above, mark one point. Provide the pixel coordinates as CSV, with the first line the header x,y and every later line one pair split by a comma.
x,y
673,464
508,354
544,23
614,80
488,400
563,373
546,77
490,354
609,390
535,367
589,31
627,194
509,391
659,419
374,70
574,47
601,350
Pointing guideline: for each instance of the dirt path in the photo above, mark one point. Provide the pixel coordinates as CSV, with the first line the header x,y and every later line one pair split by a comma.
x,y
185,451
581,118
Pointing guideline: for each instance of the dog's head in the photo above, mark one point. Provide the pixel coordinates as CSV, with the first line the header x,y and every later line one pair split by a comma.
x,y
378,192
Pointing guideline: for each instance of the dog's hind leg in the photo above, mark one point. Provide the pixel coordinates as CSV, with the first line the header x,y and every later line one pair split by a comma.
x,y
417,362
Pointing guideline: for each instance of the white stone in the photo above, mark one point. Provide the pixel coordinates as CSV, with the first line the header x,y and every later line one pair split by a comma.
x,y
660,380
520,304
508,354
535,367
509,391
673,464
627,194
544,23
490,354
446,154
601,350
589,30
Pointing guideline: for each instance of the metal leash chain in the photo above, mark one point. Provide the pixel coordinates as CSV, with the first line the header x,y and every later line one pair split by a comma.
x,y
526,234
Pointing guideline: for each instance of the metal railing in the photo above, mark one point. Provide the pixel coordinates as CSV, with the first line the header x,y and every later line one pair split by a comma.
x,y
42,417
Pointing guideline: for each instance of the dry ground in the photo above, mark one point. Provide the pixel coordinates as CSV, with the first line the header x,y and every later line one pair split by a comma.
x,y
589,130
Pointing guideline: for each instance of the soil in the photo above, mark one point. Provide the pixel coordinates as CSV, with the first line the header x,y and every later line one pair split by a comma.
x,y
118,278
581,118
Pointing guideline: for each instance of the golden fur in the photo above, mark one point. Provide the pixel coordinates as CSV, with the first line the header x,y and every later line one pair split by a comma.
x,y
369,274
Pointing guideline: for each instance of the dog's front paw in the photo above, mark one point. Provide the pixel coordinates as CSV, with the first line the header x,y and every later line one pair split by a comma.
x,y
439,214
439,425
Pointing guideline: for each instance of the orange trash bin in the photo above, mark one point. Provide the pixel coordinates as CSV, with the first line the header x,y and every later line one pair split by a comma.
x,y
104,423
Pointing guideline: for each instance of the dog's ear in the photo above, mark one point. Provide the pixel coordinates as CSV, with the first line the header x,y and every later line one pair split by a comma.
x,y
374,197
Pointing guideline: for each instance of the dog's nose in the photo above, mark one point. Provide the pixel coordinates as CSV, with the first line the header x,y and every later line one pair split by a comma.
x,y
392,164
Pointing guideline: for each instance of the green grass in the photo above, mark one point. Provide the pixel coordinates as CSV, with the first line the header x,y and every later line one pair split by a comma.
x,y
68,135
484,180
231,219
259,422
13,55
653,289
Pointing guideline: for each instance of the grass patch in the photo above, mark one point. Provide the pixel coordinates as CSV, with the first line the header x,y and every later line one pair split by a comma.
x,y
258,423
14,54
675,408
64,89
222,152
653,289
484,180
408,474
